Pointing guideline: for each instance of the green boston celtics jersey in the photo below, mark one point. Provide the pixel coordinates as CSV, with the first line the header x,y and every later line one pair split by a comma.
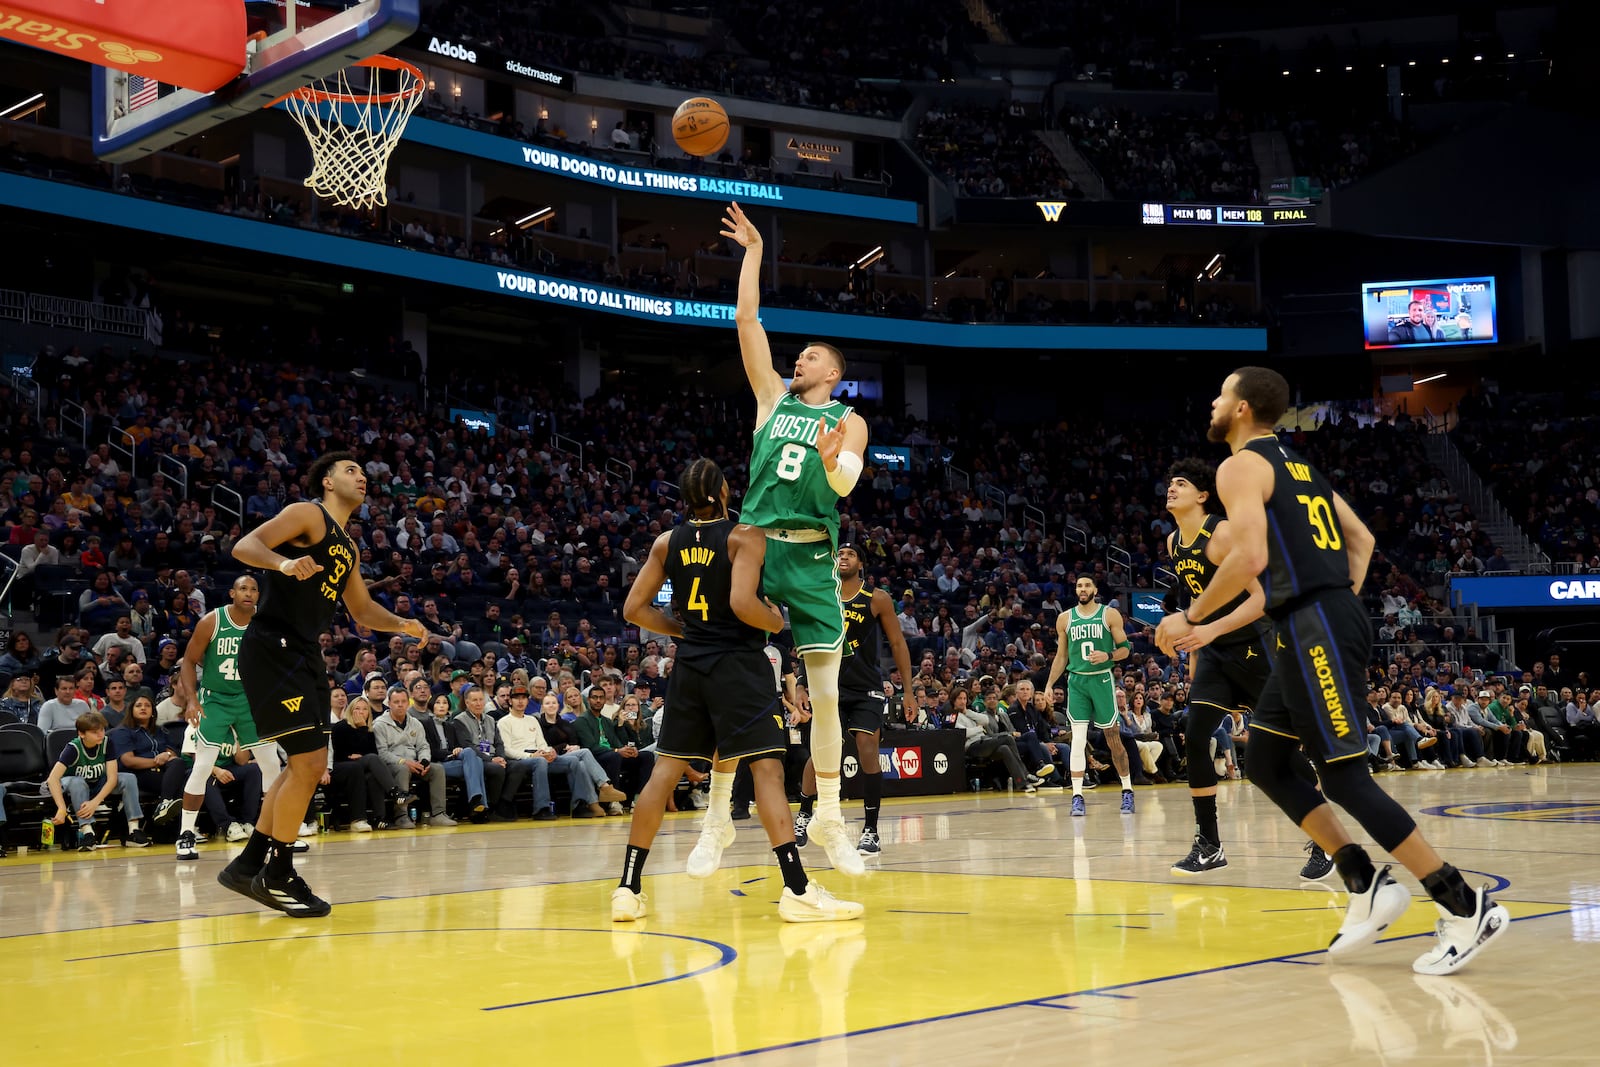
x,y
788,487
1086,634
219,670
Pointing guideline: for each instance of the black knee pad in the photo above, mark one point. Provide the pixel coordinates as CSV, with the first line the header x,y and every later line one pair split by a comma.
x,y
1269,760
1349,784
751,761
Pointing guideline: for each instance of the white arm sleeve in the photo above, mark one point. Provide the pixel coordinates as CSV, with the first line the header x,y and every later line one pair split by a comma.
x,y
842,479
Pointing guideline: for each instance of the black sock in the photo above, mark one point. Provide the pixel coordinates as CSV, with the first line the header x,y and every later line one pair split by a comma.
x,y
633,868
1205,817
1355,867
794,873
1451,891
872,793
254,856
280,860
807,803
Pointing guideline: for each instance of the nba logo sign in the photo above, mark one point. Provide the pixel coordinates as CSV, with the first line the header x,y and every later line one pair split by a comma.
x,y
909,762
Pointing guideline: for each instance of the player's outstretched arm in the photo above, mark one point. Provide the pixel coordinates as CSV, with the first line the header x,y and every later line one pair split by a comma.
x,y
640,606
370,613
753,346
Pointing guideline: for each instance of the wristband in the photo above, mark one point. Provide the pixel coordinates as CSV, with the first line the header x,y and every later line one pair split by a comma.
x,y
1188,620
842,479
285,566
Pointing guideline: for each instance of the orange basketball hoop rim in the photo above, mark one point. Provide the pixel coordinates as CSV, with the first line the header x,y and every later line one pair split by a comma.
x,y
317,93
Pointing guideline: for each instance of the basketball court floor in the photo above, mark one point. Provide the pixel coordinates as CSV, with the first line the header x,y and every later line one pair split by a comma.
x,y
998,930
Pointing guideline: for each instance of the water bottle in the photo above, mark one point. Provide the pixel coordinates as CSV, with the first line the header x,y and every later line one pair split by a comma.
x,y
47,835
975,785
413,811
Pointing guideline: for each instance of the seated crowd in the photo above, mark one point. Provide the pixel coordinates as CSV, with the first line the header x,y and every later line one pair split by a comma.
x,y
514,555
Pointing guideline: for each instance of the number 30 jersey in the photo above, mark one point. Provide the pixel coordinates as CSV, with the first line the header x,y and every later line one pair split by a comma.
x,y
1305,543
701,572
788,487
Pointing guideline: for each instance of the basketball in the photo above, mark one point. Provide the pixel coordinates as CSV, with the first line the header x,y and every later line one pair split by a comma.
x,y
700,126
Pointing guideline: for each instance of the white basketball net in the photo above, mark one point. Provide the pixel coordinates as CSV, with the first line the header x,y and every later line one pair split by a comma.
x,y
352,135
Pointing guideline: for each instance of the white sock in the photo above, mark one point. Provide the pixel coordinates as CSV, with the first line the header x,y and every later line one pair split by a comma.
x,y
1077,785
721,796
827,797
1127,782
133,825
190,818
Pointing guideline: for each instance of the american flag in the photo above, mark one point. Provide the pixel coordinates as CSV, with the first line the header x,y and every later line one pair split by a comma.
x,y
142,91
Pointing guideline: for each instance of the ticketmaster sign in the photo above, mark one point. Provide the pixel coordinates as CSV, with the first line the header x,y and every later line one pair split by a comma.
x,y
1528,591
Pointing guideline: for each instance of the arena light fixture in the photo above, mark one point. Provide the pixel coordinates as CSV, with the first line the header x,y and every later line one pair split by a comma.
x,y
535,217
1430,378
870,258
23,108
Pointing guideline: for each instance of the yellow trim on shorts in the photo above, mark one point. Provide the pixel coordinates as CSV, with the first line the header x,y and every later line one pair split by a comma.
x,y
1337,759
286,733
1223,707
1270,730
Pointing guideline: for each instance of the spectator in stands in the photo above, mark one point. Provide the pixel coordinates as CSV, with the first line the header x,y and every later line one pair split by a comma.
x,y
985,741
1581,719
20,699
1466,722
100,604
117,705
63,711
21,656
145,754
86,774
404,746
1524,712
450,749
563,738
503,773
122,636
39,551
1509,743
133,675
625,764
524,740
360,775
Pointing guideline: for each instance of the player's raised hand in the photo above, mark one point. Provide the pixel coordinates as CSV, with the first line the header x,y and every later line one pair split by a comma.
x,y
299,569
414,628
829,442
739,229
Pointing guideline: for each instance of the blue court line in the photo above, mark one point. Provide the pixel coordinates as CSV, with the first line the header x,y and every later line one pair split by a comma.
x,y
1121,926
1044,1002
1302,963
737,892
1500,884
753,881
1058,1007
726,954
907,911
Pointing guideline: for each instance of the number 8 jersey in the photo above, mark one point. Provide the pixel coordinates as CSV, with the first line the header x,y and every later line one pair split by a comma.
x,y
701,572
1305,544
788,487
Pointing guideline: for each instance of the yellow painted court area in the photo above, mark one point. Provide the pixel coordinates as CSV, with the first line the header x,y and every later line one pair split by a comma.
x,y
472,977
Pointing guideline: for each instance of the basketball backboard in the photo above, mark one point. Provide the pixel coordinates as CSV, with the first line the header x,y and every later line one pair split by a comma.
x,y
290,43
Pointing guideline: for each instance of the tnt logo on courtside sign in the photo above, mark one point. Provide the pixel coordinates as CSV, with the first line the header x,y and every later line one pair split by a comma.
x,y
851,767
941,763
908,761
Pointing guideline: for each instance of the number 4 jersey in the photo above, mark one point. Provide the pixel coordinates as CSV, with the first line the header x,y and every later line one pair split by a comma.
x,y
701,572
788,487
1305,544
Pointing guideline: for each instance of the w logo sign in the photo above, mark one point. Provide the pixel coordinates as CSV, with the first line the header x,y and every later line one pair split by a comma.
x,y
1050,209
293,704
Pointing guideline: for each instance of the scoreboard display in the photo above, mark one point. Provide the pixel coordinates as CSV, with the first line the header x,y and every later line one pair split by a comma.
x,y
1227,215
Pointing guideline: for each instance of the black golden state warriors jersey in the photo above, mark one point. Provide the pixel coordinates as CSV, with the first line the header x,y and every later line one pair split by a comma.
x,y
305,608
701,573
858,673
1194,570
1305,544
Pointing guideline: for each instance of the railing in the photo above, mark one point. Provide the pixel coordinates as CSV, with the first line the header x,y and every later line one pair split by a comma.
x,y
226,499
13,305
1077,535
952,472
1164,577
990,492
1034,513
125,444
1117,556
570,445
29,393
75,417
173,470
67,313
1530,558
619,469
